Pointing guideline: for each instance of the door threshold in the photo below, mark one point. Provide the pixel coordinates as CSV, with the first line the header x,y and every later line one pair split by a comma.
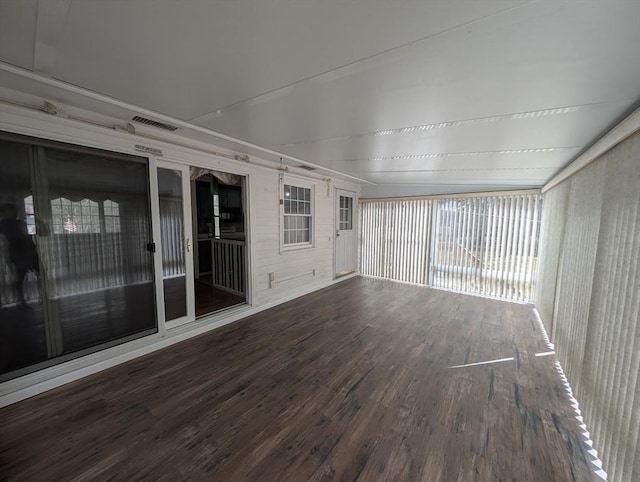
x,y
221,310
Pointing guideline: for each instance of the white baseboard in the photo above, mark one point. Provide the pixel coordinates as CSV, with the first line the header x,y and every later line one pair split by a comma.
x,y
27,386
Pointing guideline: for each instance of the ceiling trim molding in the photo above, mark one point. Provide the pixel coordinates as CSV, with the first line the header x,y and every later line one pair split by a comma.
x,y
36,77
511,192
615,136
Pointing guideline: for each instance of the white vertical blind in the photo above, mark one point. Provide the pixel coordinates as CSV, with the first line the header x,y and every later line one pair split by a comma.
x,y
484,245
487,245
588,296
395,240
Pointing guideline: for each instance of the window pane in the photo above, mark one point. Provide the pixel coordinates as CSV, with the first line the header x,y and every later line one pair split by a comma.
x,y
28,204
111,224
296,224
216,204
173,246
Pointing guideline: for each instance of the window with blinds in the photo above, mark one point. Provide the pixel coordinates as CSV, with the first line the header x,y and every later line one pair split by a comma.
x,y
483,245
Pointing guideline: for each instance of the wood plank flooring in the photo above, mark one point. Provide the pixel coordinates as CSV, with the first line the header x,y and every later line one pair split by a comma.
x,y
210,299
348,383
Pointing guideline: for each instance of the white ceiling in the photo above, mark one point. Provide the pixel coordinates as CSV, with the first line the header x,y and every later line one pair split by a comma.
x,y
416,97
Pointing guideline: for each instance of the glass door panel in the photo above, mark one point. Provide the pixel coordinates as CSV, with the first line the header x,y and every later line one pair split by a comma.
x,y
76,275
175,241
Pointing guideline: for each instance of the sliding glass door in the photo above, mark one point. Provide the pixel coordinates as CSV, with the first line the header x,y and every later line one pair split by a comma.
x,y
82,265
76,261
176,242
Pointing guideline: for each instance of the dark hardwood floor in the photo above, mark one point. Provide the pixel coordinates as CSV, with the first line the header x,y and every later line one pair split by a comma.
x,y
348,383
210,299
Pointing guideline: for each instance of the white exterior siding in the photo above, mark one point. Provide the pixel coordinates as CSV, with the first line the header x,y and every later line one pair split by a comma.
x,y
266,254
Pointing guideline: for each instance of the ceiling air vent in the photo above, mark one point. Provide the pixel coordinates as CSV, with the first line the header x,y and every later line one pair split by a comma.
x,y
152,123
306,168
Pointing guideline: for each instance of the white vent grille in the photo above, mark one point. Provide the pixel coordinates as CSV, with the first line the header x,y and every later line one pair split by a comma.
x,y
153,123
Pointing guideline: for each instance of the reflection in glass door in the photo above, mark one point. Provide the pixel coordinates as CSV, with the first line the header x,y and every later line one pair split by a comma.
x,y
76,275
176,244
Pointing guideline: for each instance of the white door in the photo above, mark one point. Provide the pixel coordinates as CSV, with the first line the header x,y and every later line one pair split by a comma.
x,y
176,245
345,240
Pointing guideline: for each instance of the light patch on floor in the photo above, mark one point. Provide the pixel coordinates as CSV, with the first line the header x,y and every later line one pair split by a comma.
x,y
499,360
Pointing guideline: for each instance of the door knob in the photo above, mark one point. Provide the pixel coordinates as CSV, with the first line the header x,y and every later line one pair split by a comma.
x,y
188,245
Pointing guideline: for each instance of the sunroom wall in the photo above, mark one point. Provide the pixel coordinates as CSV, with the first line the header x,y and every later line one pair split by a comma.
x,y
295,272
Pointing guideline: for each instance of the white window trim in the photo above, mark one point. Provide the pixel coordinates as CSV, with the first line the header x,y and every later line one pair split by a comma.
x,y
297,182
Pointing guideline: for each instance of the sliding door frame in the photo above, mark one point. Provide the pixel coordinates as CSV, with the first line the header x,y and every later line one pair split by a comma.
x,y
163,323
